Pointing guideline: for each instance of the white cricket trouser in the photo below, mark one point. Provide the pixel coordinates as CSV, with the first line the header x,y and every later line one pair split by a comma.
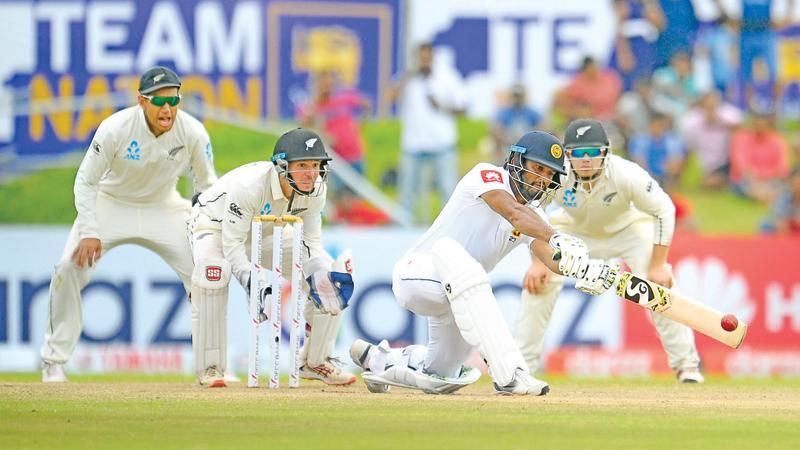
x,y
635,246
417,288
160,227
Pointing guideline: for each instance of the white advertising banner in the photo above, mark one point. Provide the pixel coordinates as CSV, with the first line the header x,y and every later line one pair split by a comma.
x,y
137,318
495,44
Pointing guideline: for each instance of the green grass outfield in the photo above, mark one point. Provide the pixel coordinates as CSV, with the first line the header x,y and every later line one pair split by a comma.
x,y
135,411
45,197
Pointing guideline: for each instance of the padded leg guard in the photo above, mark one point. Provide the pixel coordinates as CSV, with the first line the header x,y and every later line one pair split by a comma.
x,y
403,368
210,313
321,332
475,309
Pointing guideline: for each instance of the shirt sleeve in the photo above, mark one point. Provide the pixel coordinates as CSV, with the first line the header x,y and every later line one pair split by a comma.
x,y
202,163
648,197
240,206
92,169
484,178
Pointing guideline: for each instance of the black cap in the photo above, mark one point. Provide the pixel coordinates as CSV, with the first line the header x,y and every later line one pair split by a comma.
x,y
299,144
582,133
157,78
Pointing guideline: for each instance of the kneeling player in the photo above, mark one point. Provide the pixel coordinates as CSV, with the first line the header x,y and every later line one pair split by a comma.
x,y
444,276
292,183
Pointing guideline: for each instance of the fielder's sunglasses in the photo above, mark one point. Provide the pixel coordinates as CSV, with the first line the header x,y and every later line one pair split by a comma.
x,y
159,100
581,152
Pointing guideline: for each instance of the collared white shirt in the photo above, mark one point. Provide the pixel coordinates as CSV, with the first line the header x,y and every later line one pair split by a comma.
x,y
623,194
250,190
128,163
469,220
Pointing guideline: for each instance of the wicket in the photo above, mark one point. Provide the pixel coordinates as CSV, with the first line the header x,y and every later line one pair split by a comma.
x,y
297,300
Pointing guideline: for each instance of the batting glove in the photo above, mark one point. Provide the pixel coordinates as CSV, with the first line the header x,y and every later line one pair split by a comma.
x,y
571,253
599,277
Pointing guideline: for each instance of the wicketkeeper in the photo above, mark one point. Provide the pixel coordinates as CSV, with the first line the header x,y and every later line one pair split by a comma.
x,y
293,182
620,211
125,193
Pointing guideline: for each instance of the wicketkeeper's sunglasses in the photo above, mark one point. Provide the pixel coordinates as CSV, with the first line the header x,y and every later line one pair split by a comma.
x,y
581,152
158,100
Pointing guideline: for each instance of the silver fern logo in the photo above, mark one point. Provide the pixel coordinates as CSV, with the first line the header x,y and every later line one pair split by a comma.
x,y
582,130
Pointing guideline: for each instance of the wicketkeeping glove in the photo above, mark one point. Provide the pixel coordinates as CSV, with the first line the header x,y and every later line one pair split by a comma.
x,y
331,290
263,293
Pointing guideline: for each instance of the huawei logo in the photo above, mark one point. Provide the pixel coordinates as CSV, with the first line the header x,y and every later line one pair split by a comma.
x,y
582,130
708,280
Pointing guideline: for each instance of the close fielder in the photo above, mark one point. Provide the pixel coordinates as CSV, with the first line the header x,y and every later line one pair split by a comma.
x,y
125,193
293,182
444,276
620,211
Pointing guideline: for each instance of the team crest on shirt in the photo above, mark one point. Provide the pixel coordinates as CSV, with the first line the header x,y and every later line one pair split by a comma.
x,y
515,234
491,176
608,198
174,152
570,200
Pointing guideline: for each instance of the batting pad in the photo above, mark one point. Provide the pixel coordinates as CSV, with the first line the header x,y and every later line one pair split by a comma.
x,y
210,313
321,339
475,309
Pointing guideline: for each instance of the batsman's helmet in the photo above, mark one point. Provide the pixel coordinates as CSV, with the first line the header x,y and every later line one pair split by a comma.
x,y
300,144
542,148
582,133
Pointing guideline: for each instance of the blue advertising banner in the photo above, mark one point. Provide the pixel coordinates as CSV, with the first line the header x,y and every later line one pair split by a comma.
x,y
61,60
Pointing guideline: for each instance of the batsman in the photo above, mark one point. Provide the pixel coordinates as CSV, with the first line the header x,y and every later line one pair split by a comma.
x,y
444,276
620,211
292,182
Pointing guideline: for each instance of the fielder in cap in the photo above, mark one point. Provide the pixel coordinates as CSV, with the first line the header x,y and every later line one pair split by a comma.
x,y
125,193
620,211
444,276
292,182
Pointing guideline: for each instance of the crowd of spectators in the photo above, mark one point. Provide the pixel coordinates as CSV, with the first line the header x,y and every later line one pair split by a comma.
x,y
673,89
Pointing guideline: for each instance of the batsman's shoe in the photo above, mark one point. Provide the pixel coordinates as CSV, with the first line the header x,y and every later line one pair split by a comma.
x,y
53,373
359,353
690,375
523,384
213,377
328,373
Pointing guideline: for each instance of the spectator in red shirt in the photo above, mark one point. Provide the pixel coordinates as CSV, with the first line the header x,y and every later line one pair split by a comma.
x,y
759,159
336,114
592,92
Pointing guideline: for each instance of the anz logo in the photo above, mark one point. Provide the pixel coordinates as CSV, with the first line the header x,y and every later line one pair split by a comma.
x,y
133,151
570,200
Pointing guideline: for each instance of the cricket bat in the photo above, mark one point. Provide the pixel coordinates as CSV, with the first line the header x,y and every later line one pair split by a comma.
x,y
681,308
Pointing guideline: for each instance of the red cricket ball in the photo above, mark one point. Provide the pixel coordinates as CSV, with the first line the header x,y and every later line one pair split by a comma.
x,y
729,322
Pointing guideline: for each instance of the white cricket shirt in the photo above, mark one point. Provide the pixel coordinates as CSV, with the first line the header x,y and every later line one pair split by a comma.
x,y
623,194
485,235
250,190
126,162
